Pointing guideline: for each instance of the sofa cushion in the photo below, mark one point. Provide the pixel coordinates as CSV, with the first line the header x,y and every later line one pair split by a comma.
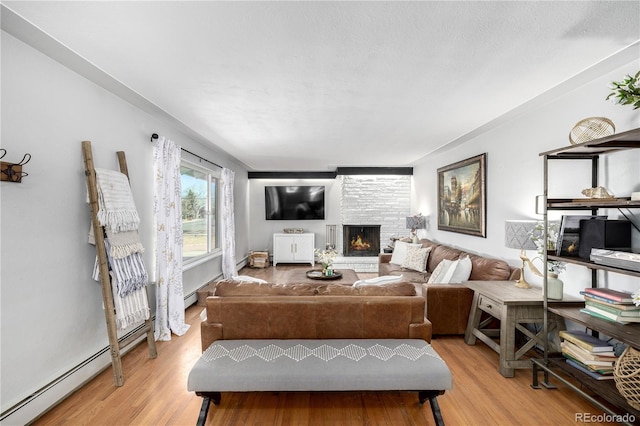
x,y
401,288
439,253
400,252
232,287
416,258
488,269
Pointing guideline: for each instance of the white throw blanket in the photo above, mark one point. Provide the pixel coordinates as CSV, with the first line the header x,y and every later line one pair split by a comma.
x,y
132,309
116,209
129,272
121,244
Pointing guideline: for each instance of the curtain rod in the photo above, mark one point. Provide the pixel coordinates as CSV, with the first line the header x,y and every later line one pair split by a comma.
x,y
155,136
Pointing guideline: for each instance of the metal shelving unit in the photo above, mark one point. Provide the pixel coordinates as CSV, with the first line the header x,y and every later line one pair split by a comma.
x,y
608,398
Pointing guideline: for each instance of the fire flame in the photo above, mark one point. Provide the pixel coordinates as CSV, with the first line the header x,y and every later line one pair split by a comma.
x,y
358,244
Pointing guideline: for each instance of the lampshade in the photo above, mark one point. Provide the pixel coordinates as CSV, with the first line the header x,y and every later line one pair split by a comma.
x,y
517,234
416,222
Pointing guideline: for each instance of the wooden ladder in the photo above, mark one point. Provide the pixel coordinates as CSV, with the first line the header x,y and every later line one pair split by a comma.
x,y
105,279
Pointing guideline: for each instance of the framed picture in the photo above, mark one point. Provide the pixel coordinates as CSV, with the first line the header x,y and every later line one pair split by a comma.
x,y
462,196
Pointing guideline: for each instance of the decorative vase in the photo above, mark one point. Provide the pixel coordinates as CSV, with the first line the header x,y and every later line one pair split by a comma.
x,y
555,286
327,271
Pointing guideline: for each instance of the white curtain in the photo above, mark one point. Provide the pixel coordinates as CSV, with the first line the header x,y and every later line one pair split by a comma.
x,y
228,234
167,208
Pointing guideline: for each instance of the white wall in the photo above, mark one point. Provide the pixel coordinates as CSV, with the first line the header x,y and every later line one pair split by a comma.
x,y
515,171
51,311
261,230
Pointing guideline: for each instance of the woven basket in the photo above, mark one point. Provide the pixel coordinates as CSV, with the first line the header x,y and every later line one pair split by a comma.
x,y
591,128
626,374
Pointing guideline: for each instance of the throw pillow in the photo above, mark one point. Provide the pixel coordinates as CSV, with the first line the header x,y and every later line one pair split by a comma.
x,y
451,271
416,258
462,271
400,252
385,279
438,274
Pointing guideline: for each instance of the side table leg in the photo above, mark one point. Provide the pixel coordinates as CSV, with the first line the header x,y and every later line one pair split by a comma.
x,y
507,340
474,320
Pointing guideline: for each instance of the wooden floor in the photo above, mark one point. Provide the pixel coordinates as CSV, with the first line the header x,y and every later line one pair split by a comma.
x,y
154,393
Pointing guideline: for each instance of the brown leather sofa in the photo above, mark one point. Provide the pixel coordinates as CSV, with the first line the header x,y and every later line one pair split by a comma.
x,y
323,311
448,305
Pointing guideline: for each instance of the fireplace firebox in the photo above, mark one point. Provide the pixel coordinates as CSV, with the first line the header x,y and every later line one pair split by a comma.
x,y
361,240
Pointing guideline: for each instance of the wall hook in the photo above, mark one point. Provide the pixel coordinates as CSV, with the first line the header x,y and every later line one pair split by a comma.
x,y
12,172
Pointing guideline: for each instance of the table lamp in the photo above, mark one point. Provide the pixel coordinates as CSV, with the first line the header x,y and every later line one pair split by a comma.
x,y
517,235
414,223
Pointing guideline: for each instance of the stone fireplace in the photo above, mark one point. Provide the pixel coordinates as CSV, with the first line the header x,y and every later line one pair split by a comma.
x,y
360,240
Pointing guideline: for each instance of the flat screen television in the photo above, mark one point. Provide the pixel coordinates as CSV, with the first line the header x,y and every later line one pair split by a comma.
x,y
294,202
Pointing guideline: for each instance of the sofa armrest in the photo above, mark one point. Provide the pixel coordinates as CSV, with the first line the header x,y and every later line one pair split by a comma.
x,y
384,257
209,333
447,306
420,331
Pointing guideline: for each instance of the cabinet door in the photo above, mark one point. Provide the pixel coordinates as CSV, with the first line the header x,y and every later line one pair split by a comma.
x,y
303,248
282,249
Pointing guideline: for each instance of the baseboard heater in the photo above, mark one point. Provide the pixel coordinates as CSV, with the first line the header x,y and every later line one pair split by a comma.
x,y
105,350
69,373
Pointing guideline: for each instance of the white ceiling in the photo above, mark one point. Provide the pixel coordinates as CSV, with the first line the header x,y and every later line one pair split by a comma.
x,y
315,85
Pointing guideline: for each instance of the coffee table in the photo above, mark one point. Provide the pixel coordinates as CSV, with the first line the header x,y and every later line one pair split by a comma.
x,y
299,275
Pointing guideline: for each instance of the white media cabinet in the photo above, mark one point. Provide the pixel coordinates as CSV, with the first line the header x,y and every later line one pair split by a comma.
x,y
294,248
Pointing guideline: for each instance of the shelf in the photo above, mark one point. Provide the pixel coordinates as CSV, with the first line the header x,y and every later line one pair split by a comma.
x,y
588,204
593,265
627,333
620,141
605,389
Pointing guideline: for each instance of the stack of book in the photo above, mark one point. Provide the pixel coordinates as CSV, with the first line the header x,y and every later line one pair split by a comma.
x,y
588,354
610,305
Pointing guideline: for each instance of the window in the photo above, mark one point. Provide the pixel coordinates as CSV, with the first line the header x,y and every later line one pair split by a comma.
x,y
199,211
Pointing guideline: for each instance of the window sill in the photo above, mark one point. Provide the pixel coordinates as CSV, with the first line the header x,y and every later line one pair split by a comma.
x,y
192,263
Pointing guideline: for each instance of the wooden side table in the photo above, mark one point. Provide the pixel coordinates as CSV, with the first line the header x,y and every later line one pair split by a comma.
x,y
514,307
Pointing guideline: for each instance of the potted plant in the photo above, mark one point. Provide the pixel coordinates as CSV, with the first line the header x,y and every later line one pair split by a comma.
x,y
326,258
627,91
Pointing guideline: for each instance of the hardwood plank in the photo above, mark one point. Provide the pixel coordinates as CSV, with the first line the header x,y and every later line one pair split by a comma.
x,y
154,393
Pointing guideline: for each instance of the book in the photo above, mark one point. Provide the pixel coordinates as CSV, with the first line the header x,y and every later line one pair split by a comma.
x,y
604,317
604,299
614,317
616,259
631,312
569,236
599,366
586,370
586,355
614,305
586,341
607,293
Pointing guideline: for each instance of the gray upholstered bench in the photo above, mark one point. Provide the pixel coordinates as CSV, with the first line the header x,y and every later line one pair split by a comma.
x,y
320,365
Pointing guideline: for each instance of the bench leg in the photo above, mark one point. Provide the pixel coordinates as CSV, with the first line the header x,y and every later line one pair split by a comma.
x,y
204,410
433,402
207,399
